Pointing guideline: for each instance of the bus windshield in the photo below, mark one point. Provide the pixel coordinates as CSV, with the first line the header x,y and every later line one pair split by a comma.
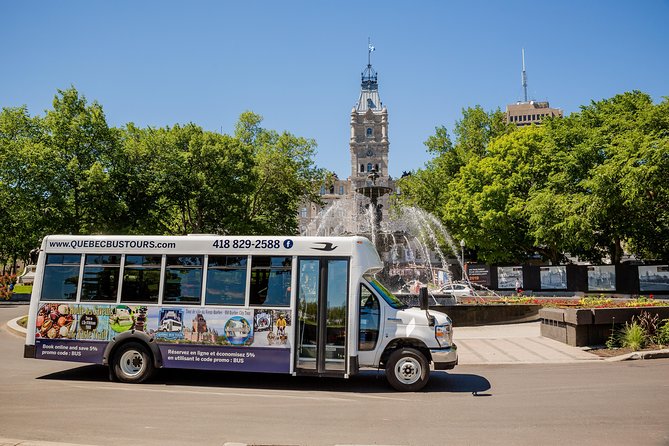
x,y
387,295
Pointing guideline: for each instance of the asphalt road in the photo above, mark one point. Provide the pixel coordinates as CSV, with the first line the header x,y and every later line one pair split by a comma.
x,y
585,403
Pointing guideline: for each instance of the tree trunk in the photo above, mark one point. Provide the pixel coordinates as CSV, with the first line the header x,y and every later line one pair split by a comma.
x,y
616,251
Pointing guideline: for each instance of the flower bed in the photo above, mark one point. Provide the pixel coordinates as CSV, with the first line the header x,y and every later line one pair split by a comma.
x,y
553,302
590,326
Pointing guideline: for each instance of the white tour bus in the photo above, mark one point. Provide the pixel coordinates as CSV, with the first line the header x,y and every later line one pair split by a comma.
x,y
298,305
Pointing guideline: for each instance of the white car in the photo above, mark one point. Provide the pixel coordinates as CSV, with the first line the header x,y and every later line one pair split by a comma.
x,y
456,290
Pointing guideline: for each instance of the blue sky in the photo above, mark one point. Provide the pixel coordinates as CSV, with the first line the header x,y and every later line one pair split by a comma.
x,y
298,63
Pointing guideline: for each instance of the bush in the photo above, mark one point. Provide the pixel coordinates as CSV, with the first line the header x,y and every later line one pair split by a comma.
x,y
7,283
648,322
633,336
662,333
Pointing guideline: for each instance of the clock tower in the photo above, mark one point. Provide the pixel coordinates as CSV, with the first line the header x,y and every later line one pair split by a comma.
x,y
369,136
369,133
369,148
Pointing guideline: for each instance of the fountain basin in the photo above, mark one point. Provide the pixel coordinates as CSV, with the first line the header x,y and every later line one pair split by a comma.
x,y
373,192
471,315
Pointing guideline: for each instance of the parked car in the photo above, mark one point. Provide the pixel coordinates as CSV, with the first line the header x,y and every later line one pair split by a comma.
x,y
456,290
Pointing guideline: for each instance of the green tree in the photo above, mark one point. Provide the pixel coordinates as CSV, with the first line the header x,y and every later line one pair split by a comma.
x,y
487,202
181,180
284,175
432,187
594,184
79,146
23,202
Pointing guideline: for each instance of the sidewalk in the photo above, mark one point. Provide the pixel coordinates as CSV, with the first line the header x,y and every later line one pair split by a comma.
x,y
514,344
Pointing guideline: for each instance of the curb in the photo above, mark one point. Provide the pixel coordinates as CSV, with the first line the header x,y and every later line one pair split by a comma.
x,y
650,354
16,442
16,329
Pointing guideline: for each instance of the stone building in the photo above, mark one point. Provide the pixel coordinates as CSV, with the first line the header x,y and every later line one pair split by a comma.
x,y
369,150
530,112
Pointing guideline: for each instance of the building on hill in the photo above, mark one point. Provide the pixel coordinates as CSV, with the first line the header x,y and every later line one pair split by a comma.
x,y
531,112
528,112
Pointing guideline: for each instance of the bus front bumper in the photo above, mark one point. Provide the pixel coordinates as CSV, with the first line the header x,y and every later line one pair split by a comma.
x,y
444,358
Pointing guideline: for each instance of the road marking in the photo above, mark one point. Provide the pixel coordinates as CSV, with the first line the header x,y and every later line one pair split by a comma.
x,y
251,392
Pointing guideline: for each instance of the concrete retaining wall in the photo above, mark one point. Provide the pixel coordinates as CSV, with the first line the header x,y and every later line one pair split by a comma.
x,y
473,315
580,327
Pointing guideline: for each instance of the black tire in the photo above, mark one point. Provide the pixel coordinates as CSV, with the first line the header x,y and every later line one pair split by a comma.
x,y
407,370
133,363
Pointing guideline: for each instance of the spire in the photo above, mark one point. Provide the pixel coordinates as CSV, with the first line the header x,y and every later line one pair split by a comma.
x,y
369,77
369,93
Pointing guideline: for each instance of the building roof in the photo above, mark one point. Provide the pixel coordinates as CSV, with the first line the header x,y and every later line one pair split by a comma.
x,y
369,92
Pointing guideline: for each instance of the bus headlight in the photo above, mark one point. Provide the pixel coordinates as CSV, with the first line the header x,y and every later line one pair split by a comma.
x,y
444,334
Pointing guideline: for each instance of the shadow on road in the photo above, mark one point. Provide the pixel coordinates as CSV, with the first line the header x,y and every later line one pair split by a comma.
x,y
368,381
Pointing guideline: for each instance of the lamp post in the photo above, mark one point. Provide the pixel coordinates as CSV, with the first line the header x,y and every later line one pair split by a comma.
x,y
462,258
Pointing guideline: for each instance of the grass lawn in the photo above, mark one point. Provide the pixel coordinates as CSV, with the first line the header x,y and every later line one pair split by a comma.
x,y
23,289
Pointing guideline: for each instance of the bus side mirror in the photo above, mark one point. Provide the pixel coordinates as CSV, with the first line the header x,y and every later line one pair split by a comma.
x,y
422,298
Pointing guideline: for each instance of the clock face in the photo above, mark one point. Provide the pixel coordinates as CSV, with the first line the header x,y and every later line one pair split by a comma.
x,y
369,152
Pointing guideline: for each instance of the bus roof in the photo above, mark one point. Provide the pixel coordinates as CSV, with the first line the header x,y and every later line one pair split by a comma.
x,y
212,244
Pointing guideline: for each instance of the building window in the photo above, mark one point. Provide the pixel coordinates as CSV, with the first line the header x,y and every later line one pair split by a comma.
x,y
322,190
369,167
370,132
376,166
303,212
362,167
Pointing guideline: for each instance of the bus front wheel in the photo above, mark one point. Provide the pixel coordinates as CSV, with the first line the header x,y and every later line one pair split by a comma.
x,y
407,370
132,363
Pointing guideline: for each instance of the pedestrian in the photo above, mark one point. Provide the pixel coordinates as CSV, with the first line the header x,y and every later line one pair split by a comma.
x,y
519,289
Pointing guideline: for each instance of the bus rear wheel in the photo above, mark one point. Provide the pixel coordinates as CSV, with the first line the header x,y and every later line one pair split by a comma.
x,y
407,370
132,363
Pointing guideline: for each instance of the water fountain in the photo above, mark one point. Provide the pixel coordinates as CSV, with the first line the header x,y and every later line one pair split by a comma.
x,y
414,246
410,241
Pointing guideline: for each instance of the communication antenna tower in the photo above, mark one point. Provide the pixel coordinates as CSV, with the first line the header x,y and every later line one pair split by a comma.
x,y
524,77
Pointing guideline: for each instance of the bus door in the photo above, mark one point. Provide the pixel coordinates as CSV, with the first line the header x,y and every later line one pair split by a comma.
x,y
321,315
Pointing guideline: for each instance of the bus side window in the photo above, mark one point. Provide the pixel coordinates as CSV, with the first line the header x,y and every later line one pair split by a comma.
x,y
183,279
270,281
100,281
370,313
226,280
141,279
61,277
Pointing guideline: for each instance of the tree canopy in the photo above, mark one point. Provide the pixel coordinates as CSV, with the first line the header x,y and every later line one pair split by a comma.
x,y
594,184
70,172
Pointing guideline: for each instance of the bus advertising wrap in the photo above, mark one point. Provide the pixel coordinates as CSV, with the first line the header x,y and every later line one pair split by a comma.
x,y
208,338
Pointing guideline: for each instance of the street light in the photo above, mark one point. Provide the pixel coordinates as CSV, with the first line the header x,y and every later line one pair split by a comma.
x,y
462,263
